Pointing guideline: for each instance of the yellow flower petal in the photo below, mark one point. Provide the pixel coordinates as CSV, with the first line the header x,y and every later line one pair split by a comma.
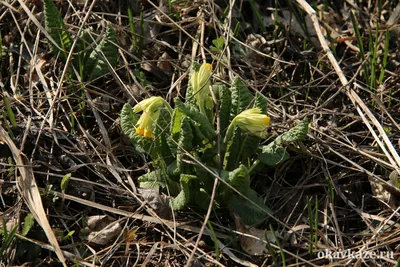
x,y
150,108
251,120
139,131
148,133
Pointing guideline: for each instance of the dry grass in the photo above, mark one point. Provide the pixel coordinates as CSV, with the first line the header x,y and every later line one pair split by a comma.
x,y
334,193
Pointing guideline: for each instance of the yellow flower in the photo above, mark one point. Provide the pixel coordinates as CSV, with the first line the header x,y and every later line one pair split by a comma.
x,y
250,120
145,124
151,112
200,82
144,104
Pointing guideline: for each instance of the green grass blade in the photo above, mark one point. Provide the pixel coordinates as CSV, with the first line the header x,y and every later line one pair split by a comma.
x,y
10,113
258,16
360,46
385,57
132,28
214,238
7,239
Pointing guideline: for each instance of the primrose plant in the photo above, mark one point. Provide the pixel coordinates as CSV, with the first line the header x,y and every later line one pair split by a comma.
x,y
194,142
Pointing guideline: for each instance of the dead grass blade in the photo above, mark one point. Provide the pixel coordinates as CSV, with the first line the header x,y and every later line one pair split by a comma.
x,y
362,109
30,193
67,254
146,218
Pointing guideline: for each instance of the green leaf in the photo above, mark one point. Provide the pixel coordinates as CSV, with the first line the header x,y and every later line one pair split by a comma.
x,y
176,121
128,122
218,44
161,133
96,64
238,179
151,180
201,120
297,133
54,25
273,154
128,125
261,103
183,198
224,97
241,147
241,97
247,211
140,75
186,136
28,224
68,235
185,143
248,143
248,148
65,181
197,133
232,151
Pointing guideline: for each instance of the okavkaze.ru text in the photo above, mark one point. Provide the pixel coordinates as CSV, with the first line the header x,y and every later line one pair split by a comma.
x,y
349,254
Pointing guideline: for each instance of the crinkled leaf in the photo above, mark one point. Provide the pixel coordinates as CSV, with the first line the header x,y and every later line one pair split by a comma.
x,y
201,120
249,213
128,122
273,154
224,98
241,97
249,143
161,133
232,151
176,121
238,179
96,64
55,26
261,103
248,148
241,147
151,180
198,134
185,143
28,224
183,198
209,153
297,133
